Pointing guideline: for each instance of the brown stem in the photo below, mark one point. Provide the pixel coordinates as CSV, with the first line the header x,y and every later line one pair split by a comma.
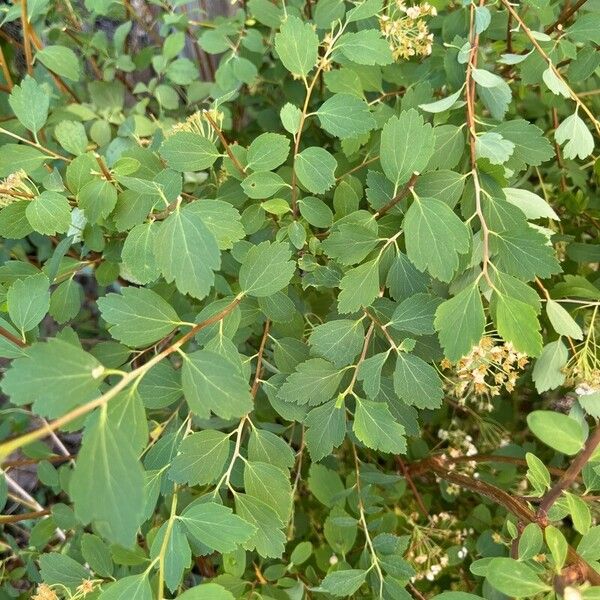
x,y
223,139
26,40
362,165
418,498
5,71
511,504
13,338
23,516
565,16
103,167
398,197
24,462
259,358
569,476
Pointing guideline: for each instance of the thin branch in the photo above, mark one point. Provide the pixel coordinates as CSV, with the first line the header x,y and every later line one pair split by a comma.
x,y
565,16
225,143
570,475
12,338
11,445
259,358
5,71
398,197
26,41
24,516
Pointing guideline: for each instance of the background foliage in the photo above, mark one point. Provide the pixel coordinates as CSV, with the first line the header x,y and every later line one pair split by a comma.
x,y
299,301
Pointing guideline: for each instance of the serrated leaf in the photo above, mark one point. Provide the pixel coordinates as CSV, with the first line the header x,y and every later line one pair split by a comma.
x,y
415,314
29,101
266,269
132,587
531,204
138,316
211,383
376,428
187,151
435,237
49,213
417,382
548,369
177,555
28,301
215,526
407,144
297,45
201,459
359,287
265,446
270,484
137,255
97,199
345,115
460,323
579,140
326,429
267,152
494,147
315,381
339,341
187,252
562,321
315,168
262,184
517,322
113,498
61,60
524,254
366,47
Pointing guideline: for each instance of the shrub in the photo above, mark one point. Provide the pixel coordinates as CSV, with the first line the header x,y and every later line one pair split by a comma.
x,y
300,301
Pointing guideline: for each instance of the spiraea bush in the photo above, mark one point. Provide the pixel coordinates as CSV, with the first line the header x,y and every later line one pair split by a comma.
x,y
299,299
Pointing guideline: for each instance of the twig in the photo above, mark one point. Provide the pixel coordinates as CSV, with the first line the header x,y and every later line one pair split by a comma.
x,y
419,499
11,445
5,71
565,16
12,338
223,139
259,358
398,197
24,516
26,41
19,491
569,476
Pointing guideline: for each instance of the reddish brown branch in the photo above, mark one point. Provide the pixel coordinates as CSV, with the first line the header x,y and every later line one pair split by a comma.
x,y
565,16
398,197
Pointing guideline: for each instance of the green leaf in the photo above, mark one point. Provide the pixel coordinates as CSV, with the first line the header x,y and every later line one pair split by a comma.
x,y
415,314
345,116
579,140
201,459
514,578
560,432
138,316
339,341
262,184
557,545
61,569
187,151
366,47
524,254
297,46
562,321
268,539
548,369
376,428
359,287
290,116
350,243
314,382
133,587
137,255
530,542
316,212
61,60
18,156
181,238
48,369
266,269
267,152
97,199
270,484
113,498
222,219
97,554
14,224
71,136
417,382
494,147
30,103
212,383
215,526
531,147
326,429
178,555
207,591
531,204
517,322
460,323
407,144
49,213
435,237
315,168
580,513
28,301
343,583
264,446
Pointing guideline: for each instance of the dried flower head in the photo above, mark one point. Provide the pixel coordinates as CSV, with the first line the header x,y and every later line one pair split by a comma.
x,y
406,30
14,188
200,124
44,592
